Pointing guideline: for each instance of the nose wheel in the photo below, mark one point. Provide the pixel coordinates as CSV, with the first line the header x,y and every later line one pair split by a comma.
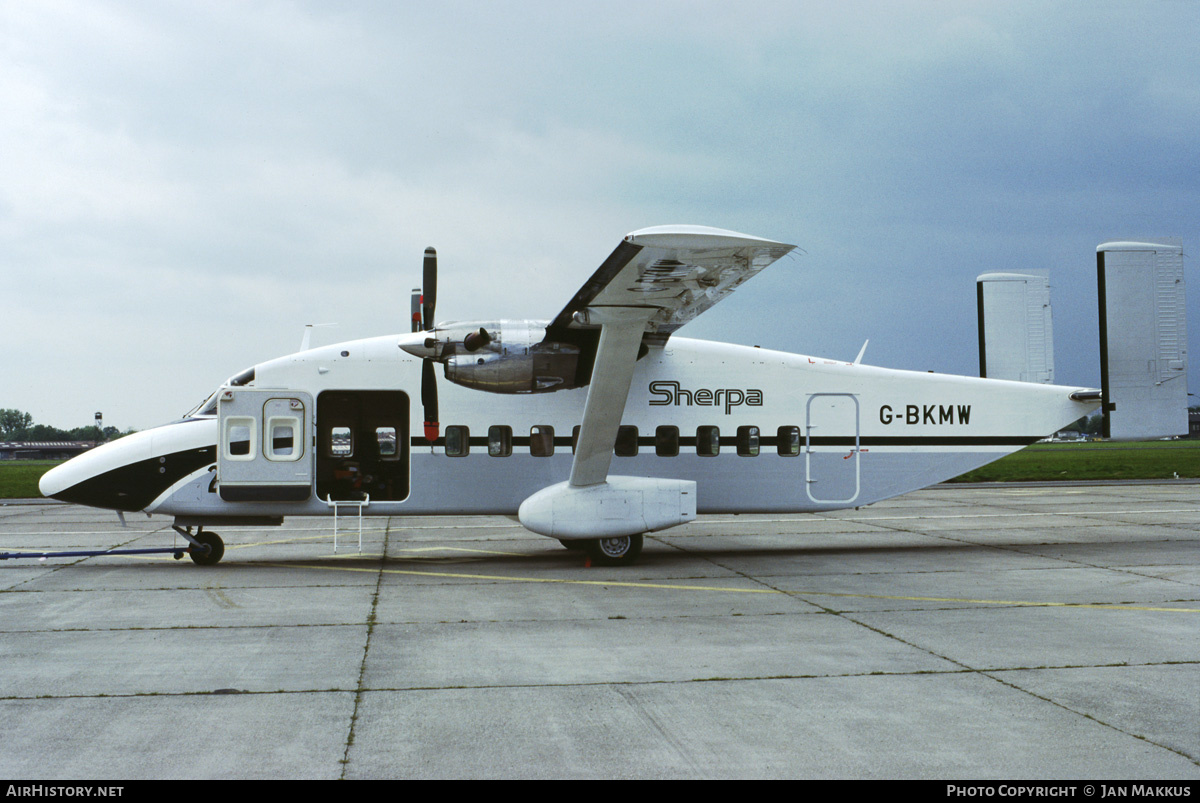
x,y
210,556
206,549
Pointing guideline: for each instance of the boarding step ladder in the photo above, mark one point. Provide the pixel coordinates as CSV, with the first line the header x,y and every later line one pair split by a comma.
x,y
336,504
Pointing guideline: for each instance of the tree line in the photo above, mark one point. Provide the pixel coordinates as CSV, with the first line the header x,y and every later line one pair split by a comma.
x,y
18,427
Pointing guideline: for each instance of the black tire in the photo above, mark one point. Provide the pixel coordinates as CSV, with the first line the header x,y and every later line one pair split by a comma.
x,y
216,550
619,551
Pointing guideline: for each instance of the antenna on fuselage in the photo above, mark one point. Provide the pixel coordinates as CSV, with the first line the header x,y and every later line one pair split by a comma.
x,y
862,351
306,340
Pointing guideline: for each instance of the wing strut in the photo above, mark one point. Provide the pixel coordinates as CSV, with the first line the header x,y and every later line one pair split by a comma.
x,y
621,330
591,504
655,281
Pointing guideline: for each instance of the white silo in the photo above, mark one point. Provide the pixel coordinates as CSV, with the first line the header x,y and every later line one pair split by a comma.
x,y
1143,339
1016,333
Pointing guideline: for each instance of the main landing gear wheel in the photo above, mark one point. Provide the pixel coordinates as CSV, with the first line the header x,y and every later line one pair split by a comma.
x,y
621,550
216,550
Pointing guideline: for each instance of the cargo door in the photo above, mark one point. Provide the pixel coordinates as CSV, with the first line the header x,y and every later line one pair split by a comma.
x,y
362,445
832,452
264,452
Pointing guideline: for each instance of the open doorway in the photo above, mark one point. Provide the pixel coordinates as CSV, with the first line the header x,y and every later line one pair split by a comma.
x,y
362,445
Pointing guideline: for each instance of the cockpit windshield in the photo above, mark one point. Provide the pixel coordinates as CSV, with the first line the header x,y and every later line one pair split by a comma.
x,y
209,405
206,407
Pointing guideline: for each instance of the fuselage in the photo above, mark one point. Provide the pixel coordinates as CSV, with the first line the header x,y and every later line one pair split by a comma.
x,y
756,430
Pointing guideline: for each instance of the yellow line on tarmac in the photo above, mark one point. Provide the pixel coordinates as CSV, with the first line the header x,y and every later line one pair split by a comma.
x,y
514,579
1019,603
679,587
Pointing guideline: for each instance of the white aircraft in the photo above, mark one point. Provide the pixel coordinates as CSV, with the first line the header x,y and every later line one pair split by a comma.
x,y
593,428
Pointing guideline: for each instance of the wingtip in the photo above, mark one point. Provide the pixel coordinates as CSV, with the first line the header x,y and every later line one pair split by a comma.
x,y
687,235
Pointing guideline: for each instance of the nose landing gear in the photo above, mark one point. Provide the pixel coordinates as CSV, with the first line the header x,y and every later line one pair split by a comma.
x,y
206,549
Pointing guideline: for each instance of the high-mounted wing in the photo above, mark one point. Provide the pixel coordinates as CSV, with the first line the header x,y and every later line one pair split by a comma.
x,y
655,281
675,272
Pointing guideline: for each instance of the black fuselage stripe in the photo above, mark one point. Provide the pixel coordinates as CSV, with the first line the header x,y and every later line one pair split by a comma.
x,y
770,440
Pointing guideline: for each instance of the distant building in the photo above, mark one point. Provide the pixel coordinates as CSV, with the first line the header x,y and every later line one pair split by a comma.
x,y
43,450
1016,333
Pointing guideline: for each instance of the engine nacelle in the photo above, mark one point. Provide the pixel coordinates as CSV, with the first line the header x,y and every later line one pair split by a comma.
x,y
500,356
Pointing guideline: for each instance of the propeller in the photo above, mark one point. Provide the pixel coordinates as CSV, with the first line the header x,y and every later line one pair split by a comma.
x,y
422,312
429,284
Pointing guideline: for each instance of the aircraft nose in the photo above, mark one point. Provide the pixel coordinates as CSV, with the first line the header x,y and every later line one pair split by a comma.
x,y
102,477
54,482
130,473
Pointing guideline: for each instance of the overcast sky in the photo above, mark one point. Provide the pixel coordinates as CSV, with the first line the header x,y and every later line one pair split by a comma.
x,y
183,186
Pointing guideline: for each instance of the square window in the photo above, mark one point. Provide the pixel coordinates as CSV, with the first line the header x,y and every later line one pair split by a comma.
x,y
541,441
666,441
747,441
385,440
458,441
788,441
708,441
341,442
499,441
627,442
283,439
239,438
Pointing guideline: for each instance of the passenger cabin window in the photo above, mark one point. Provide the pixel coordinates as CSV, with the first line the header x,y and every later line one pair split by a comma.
x,y
666,441
341,442
283,439
541,441
499,441
385,440
747,441
239,438
708,441
626,445
458,441
788,441
627,442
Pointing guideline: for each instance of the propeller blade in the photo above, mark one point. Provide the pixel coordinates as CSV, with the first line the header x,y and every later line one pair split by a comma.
x,y
416,310
429,283
429,399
